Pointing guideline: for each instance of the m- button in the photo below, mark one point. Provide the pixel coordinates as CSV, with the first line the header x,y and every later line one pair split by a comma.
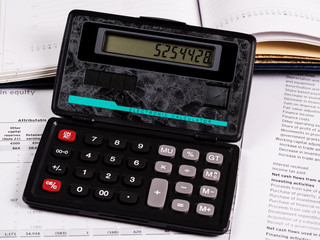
x,y
208,192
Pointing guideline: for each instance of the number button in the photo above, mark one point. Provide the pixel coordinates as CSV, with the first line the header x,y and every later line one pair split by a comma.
x,y
79,190
134,181
140,147
103,194
117,143
108,176
136,163
84,173
93,140
113,159
62,152
67,135
89,156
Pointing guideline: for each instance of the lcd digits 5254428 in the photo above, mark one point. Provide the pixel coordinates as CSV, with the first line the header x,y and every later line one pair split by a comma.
x,y
163,51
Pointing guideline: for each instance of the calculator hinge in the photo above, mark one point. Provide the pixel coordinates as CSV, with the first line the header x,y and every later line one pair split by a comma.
x,y
206,137
83,118
162,20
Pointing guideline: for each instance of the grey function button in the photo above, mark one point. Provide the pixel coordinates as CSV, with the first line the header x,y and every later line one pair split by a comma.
x,y
180,205
190,154
184,188
187,171
214,158
205,209
157,193
208,192
167,151
211,174
163,167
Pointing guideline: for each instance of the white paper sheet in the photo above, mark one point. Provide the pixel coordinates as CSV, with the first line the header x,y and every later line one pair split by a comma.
x,y
31,31
278,195
287,20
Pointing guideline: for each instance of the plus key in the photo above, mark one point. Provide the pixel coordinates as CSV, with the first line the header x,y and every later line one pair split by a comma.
x,y
157,193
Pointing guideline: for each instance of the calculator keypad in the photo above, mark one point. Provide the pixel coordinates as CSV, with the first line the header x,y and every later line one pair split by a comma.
x,y
138,175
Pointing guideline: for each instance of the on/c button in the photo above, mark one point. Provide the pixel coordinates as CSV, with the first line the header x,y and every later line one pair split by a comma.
x,y
67,135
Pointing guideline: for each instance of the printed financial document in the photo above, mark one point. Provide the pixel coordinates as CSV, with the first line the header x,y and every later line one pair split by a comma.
x,y
24,113
278,179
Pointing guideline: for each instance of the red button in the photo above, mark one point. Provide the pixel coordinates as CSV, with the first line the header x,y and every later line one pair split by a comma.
x,y
51,185
67,135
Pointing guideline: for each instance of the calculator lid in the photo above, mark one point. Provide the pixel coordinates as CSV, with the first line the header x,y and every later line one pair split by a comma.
x,y
155,74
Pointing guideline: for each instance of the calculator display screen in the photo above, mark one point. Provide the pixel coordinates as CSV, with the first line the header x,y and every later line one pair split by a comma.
x,y
158,50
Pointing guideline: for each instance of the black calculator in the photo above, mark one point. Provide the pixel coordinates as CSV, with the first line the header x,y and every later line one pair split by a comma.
x,y
149,108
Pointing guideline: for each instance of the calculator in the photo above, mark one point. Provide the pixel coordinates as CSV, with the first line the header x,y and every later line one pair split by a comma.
x,y
150,114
